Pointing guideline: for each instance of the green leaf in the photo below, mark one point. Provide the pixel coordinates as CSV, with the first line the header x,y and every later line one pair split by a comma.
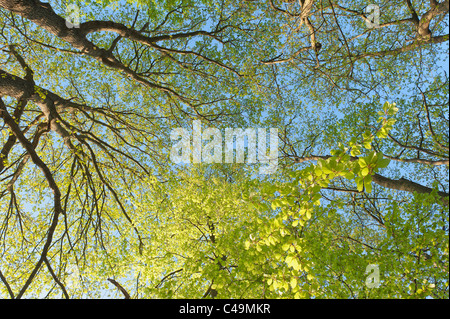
x,y
308,215
293,282
365,171
350,175
360,184
368,184
383,163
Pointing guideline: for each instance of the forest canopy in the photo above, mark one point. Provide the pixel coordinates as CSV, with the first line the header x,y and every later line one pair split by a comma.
x,y
350,97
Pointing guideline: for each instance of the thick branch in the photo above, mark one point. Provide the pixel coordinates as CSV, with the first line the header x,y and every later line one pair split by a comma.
x,y
409,47
424,23
51,182
16,87
401,184
43,15
419,161
408,186
55,278
122,290
8,287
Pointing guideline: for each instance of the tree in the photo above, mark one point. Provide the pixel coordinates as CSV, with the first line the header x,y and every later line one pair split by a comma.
x,y
88,193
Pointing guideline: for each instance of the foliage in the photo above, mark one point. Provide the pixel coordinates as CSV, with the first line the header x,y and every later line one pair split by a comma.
x,y
91,205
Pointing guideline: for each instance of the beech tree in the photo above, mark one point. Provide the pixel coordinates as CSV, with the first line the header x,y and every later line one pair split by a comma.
x,y
91,204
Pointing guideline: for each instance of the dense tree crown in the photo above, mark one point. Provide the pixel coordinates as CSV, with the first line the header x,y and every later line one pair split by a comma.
x,y
91,204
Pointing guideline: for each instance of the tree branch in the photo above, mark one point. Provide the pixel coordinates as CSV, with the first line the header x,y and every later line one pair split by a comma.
x,y
8,287
118,286
51,182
